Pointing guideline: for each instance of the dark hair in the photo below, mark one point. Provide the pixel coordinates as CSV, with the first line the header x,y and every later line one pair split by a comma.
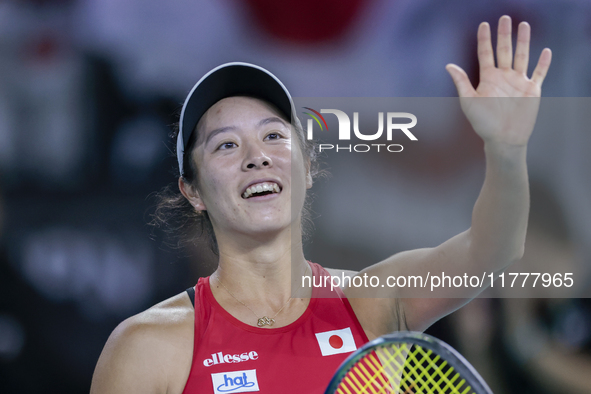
x,y
185,225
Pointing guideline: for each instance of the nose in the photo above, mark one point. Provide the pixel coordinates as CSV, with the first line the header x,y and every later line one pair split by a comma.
x,y
256,157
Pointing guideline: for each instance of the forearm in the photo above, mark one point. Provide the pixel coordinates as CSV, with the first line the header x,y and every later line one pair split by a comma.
x,y
494,241
499,218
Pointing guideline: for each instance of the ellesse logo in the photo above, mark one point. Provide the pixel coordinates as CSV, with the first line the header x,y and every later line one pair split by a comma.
x,y
220,358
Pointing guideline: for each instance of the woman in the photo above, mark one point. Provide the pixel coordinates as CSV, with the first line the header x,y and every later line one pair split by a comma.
x,y
244,166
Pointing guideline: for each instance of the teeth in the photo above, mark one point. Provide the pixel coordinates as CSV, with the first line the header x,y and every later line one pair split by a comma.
x,y
261,187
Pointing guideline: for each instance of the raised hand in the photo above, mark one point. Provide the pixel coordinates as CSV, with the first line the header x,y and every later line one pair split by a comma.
x,y
505,116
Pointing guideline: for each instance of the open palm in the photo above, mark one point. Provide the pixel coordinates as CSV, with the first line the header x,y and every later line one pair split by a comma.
x,y
504,106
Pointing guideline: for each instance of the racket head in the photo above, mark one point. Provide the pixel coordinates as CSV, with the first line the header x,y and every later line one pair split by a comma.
x,y
405,363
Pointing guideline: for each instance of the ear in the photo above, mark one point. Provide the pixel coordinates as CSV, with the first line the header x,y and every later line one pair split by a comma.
x,y
309,181
191,194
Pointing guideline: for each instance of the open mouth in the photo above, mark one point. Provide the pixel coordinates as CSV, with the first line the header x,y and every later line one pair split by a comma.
x,y
261,189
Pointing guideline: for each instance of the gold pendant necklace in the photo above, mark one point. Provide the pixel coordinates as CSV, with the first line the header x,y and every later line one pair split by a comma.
x,y
261,321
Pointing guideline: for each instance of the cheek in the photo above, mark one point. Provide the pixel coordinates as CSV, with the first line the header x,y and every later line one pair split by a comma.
x,y
209,185
211,191
218,197
297,164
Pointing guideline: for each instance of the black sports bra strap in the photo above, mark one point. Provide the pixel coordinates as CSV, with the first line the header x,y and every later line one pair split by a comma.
x,y
191,293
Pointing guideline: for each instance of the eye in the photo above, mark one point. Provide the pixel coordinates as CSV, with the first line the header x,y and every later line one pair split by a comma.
x,y
226,145
273,136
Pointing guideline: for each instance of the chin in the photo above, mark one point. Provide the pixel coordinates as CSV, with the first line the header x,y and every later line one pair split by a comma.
x,y
270,227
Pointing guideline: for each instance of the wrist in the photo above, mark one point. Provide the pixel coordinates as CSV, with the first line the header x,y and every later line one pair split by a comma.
x,y
503,149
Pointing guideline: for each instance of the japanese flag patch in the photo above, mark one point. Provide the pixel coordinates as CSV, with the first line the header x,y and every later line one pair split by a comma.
x,y
336,341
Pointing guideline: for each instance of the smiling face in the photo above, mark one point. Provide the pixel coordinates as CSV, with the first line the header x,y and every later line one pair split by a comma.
x,y
250,170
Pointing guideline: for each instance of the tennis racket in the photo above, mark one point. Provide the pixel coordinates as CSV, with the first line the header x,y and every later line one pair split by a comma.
x,y
405,363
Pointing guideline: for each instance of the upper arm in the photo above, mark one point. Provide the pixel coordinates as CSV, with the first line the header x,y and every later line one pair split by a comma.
x,y
130,362
415,307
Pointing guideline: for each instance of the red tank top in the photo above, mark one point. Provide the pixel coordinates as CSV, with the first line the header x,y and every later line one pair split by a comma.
x,y
232,357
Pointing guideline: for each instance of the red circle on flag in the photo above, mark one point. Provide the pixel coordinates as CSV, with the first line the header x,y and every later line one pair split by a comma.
x,y
335,341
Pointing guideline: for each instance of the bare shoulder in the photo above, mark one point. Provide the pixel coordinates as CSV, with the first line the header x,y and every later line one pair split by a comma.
x,y
340,272
377,315
150,352
363,308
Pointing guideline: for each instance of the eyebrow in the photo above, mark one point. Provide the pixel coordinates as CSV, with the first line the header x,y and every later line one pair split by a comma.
x,y
218,131
272,119
262,122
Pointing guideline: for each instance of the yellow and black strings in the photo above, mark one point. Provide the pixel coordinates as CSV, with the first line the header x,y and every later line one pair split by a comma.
x,y
402,368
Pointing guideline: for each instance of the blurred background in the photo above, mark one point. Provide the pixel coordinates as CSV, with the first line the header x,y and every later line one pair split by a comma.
x,y
89,89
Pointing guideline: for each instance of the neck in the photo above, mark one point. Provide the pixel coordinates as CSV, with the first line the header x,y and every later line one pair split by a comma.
x,y
260,267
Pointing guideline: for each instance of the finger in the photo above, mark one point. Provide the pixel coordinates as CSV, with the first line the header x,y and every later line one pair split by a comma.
x,y
522,51
504,47
486,57
463,85
542,67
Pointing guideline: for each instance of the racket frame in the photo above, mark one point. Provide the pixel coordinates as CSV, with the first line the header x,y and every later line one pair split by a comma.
x,y
445,351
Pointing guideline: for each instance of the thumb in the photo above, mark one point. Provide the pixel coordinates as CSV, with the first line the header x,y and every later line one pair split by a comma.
x,y
463,85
